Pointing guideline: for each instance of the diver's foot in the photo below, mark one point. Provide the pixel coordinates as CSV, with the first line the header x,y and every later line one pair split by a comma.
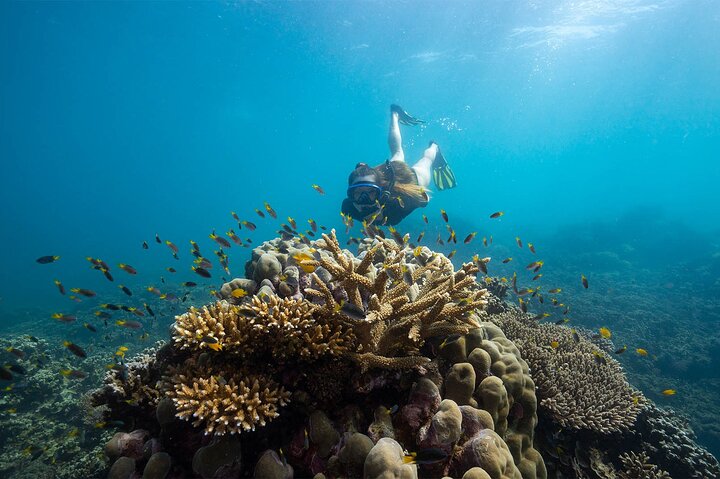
x,y
404,117
443,176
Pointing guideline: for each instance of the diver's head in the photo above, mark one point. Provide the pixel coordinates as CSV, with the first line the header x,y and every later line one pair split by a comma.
x,y
363,188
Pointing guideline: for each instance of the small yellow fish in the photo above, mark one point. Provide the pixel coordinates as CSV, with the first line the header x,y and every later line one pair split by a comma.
x,y
641,352
75,432
239,293
605,333
554,344
669,392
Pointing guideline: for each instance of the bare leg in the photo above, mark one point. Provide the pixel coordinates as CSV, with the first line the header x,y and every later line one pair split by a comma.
x,y
394,139
423,168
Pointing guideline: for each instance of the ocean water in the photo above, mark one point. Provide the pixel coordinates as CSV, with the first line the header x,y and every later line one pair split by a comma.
x,y
593,125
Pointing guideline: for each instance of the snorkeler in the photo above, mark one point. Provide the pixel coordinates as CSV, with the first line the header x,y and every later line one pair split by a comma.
x,y
387,193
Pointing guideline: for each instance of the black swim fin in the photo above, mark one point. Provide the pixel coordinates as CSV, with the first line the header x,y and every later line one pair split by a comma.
x,y
404,117
443,176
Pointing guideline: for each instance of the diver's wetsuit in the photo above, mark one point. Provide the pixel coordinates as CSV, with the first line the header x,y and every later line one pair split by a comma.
x,y
392,210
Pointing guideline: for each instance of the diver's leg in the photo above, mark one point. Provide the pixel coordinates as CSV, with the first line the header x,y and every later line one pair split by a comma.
x,y
423,168
394,138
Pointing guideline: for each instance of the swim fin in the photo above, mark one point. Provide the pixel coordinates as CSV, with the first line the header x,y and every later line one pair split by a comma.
x,y
404,117
443,176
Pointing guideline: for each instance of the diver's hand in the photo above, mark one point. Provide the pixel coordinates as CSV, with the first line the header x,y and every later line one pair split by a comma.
x,y
404,117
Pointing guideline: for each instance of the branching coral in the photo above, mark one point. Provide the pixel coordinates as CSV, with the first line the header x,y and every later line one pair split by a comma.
x,y
578,384
223,401
286,327
406,303
637,466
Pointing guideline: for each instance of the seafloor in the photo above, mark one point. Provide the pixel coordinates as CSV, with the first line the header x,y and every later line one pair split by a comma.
x,y
322,363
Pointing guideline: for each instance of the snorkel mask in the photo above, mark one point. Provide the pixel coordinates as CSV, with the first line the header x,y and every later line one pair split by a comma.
x,y
364,193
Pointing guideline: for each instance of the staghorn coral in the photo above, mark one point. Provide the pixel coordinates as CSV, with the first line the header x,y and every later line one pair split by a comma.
x,y
578,384
405,303
637,466
223,401
287,327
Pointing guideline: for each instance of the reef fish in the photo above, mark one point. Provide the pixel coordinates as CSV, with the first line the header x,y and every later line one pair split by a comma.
x,y
425,456
605,333
60,286
75,349
47,259
15,352
318,189
90,327
668,392
130,324
127,268
641,352
73,373
351,310
125,289
497,214
172,246
270,210
621,350
65,318
201,271
444,215
518,241
584,281
88,293
470,237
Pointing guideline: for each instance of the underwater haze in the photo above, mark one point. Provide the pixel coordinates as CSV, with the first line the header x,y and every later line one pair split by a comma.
x,y
593,126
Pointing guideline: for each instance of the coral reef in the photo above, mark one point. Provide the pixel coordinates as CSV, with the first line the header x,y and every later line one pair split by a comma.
x,y
390,363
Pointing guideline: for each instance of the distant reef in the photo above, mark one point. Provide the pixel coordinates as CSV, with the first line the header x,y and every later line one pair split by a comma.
x,y
389,363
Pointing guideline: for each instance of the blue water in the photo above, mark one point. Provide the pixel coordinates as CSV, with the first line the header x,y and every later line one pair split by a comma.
x,y
593,125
